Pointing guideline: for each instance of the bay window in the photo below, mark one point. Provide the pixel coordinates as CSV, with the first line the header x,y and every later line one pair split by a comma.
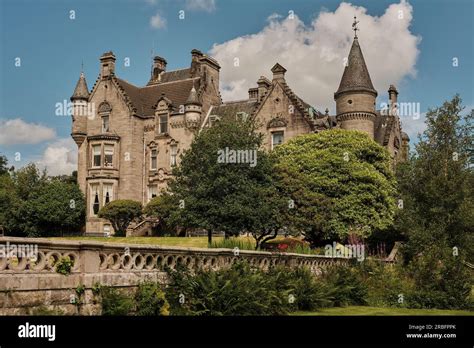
x,y
95,205
96,156
108,155
107,191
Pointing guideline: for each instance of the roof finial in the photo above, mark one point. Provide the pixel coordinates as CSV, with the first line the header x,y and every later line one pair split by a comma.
x,y
82,67
354,27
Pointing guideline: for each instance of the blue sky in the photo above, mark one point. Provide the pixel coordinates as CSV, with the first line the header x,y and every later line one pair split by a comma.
x,y
52,46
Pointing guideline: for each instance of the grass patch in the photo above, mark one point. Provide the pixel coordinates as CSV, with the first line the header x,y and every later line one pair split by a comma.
x,y
384,311
188,242
243,243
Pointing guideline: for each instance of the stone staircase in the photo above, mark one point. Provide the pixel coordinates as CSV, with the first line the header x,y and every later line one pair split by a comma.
x,y
142,228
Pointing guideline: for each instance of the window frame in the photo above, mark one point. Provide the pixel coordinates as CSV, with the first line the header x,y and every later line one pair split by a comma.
x,y
173,155
155,158
93,195
273,137
105,190
160,123
111,164
150,194
103,118
93,147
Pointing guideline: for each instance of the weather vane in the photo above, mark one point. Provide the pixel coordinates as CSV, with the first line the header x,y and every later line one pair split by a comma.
x,y
354,27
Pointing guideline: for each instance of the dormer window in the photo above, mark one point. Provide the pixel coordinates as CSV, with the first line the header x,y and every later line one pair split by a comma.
x,y
163,124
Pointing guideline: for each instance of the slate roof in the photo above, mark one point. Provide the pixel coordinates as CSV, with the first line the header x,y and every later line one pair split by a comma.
x,y
232,108
144,99
174,75
356,76
81,91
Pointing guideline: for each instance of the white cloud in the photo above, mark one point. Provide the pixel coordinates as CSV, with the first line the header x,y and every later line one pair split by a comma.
x,y
414,126
314,54
17,131
200,5
157,21
60,157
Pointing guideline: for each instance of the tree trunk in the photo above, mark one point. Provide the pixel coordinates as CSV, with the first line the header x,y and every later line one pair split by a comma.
x,y
209,237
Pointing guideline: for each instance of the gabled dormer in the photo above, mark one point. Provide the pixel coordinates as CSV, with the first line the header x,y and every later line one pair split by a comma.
x,y
163,109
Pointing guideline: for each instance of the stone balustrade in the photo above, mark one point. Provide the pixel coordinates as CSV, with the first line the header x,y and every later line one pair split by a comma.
x,y
30,281
92,257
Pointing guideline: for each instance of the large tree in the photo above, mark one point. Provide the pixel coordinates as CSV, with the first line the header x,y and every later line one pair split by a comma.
x,y
56,208
340,182
437,183
215,194
3,165
34,205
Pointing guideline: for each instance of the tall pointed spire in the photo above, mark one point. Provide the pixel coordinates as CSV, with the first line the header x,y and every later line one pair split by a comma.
x,y
81,92
356,76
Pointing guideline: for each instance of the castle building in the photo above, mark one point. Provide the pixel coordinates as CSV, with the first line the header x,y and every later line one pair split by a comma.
x,y
129,143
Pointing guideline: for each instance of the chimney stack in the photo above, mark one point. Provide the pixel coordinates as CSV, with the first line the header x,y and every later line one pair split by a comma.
x,y
159,66
393,97
107,65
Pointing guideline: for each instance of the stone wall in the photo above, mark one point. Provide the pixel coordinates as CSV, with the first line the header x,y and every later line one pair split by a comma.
x,y
28,284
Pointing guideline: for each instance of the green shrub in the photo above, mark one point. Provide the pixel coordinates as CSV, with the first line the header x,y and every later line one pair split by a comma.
x,y
150,300
115,302
64,265
238,290
242,290
441,280
121,213
309,292
350,289
387,284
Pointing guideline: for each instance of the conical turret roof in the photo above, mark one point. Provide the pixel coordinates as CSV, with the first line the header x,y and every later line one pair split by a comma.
x,y
356,76
81,91
193,97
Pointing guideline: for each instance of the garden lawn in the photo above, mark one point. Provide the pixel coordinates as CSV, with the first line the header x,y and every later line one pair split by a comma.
x,y
363,310
189,242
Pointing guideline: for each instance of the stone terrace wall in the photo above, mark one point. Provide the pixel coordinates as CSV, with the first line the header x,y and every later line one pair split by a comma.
x,y
29,284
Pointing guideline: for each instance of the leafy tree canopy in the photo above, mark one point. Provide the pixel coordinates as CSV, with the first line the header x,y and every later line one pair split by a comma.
x,y
437,183
340,181
217,195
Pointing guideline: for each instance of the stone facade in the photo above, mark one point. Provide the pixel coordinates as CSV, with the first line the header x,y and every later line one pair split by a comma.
x,y
130,137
